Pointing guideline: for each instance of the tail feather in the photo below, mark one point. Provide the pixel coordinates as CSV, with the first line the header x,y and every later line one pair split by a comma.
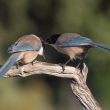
x,y
8,64
97,45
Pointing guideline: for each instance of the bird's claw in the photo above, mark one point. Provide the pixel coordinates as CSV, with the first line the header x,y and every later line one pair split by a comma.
x,y
33,62
17,65
63,67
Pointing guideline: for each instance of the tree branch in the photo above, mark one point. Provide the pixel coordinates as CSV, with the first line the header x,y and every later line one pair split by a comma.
x,y
78,80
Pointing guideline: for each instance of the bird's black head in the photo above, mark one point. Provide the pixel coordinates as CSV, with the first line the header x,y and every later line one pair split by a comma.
x,y
52,39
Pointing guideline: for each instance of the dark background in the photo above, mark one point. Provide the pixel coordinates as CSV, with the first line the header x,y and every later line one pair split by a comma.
x,y
90,18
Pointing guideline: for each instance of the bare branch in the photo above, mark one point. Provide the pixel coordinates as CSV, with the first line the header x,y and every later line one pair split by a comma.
x,y
43,68
78,80
83,93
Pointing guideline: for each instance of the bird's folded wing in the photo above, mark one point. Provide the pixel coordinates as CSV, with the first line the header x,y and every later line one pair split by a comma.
x,y
23,47
78,41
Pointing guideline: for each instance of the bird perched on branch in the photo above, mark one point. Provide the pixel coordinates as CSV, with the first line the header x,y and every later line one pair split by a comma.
x,y
23,51
73,45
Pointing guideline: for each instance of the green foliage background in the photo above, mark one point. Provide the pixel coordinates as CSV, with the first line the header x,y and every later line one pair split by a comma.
x,y
90,18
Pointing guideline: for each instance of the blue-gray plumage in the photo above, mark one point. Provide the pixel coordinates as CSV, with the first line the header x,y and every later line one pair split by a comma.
x,y
73,45
82,41
24,50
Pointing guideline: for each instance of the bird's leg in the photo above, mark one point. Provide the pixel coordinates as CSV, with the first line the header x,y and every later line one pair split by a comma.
x,y
80,65
82,58
63,65
33,62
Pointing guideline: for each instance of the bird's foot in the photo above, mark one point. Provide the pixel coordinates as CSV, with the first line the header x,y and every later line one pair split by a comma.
x,y
17,65
63,67
33,62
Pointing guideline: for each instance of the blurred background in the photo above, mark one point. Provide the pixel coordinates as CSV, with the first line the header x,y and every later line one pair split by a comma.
x,y
90,18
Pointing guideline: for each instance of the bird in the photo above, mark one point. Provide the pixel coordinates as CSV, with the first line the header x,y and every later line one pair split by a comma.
x,y
73,45
23,51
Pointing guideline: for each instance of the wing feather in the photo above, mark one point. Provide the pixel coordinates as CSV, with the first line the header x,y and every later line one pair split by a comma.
x,y
78,41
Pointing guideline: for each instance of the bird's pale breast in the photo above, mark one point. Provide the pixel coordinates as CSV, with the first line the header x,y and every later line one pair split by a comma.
x,y
28,56
72,52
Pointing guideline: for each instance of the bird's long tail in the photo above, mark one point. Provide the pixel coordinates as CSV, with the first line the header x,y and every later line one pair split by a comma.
x,y
9,63
97,45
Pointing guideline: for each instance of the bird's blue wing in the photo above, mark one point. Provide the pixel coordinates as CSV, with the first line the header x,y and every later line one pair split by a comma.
x,y
78,41
22,47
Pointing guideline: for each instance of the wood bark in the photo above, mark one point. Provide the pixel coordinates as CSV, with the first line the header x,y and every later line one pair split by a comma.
x,y
78,80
